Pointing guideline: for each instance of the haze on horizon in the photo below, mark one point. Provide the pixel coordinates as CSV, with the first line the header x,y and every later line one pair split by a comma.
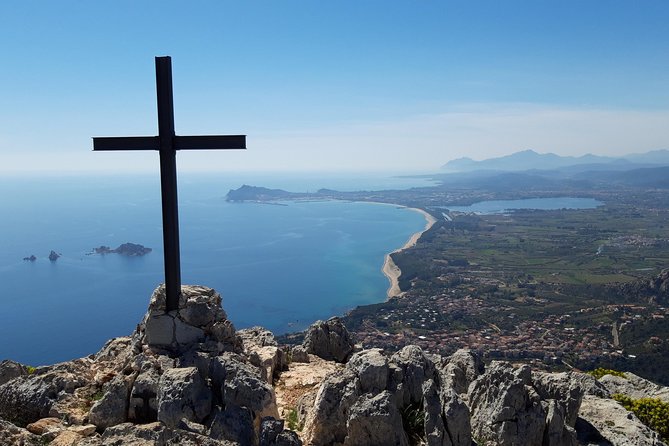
x,y
333,86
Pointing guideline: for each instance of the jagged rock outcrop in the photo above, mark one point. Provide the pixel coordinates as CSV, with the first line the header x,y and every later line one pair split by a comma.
x,y
604,421
512,406
634,386
378,400
461,369
183,377
505,408
329,340
187,377
263,351
11,369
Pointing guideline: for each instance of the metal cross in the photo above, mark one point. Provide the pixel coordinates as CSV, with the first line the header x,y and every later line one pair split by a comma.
x,y
167,143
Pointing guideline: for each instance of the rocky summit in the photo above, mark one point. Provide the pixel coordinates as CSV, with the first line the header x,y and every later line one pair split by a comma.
x,y
188,377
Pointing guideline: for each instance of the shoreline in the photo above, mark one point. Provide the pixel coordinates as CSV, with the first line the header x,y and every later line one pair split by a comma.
x,y
390,269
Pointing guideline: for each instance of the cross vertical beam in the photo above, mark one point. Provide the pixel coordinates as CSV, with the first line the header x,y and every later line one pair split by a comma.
x,y
168,181
167,143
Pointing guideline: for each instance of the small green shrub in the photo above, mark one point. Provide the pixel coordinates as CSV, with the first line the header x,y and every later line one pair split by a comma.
x,y
293,421
97,396
653,412
413,421
599,372
30,369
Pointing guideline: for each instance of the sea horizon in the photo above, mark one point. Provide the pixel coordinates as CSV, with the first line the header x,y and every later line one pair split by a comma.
x,y
282,267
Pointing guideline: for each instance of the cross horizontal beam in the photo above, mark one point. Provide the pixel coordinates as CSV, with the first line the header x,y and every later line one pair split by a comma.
x,y
204,142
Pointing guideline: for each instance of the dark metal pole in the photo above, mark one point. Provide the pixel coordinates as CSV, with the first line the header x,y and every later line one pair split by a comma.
x,y
168,181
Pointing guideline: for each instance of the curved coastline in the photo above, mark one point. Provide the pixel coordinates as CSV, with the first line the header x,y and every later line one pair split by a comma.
x,y
390,269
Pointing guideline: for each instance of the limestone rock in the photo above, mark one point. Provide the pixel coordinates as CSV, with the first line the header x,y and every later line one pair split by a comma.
x,y
505,408
326,423
183,394
14,435
371,367
557,432
269,359
143,402
198,320
412,368
10,370
257,336
446,417
152,434
46,426
27,398
235,424
244,387
299,354
605,420
112,408
461,369
66,438
272,434
329,340
564,388
374,421
634,386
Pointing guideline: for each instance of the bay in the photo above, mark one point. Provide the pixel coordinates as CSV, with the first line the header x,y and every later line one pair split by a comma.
x,y
504,206
279,266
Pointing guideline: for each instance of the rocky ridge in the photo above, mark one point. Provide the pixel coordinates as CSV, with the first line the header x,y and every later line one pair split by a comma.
x,y
187,377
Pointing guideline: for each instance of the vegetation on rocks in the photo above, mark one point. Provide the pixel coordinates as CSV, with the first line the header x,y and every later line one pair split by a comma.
x,y
653,412
600,372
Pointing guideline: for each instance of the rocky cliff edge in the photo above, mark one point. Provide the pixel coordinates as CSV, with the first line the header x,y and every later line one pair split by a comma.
x,y
187,377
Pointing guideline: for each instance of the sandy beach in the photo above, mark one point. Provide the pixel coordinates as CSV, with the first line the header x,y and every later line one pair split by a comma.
x,y
392,271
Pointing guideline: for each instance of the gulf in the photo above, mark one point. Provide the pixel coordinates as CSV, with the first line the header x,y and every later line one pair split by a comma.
x,y
279,266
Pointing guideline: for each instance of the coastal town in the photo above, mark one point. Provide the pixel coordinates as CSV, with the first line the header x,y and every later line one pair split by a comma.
x,y
559,288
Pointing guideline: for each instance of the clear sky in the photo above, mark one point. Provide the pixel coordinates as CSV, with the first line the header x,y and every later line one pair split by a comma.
x,y
333,85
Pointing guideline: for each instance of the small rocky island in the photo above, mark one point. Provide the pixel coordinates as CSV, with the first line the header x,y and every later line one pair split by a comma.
x,y
53,255
126,249
30,258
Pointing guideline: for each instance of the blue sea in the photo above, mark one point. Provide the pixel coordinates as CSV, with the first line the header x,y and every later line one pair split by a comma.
x,y
279,266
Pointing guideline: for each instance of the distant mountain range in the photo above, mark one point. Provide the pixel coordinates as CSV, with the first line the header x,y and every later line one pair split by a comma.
x,y
531,160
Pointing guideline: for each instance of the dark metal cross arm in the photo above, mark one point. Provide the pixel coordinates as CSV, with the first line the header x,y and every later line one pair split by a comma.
x,y
205,142
210,142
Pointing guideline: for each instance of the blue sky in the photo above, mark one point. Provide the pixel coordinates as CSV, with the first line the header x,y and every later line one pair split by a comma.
x,y
333,85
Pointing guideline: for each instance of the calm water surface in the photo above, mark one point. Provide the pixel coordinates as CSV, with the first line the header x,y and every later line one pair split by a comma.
x,y
278,266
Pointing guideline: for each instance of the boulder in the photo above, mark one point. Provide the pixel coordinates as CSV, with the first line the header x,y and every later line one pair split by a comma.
x,y
112,408
461,369
371,368
505,409
182,393
143,402
233,423
299,354
273,434
10,370
634,386
411,369
329,340
257,336
564,388
46,426
244,387
326,422
14,435
375,421
27,398
605,421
